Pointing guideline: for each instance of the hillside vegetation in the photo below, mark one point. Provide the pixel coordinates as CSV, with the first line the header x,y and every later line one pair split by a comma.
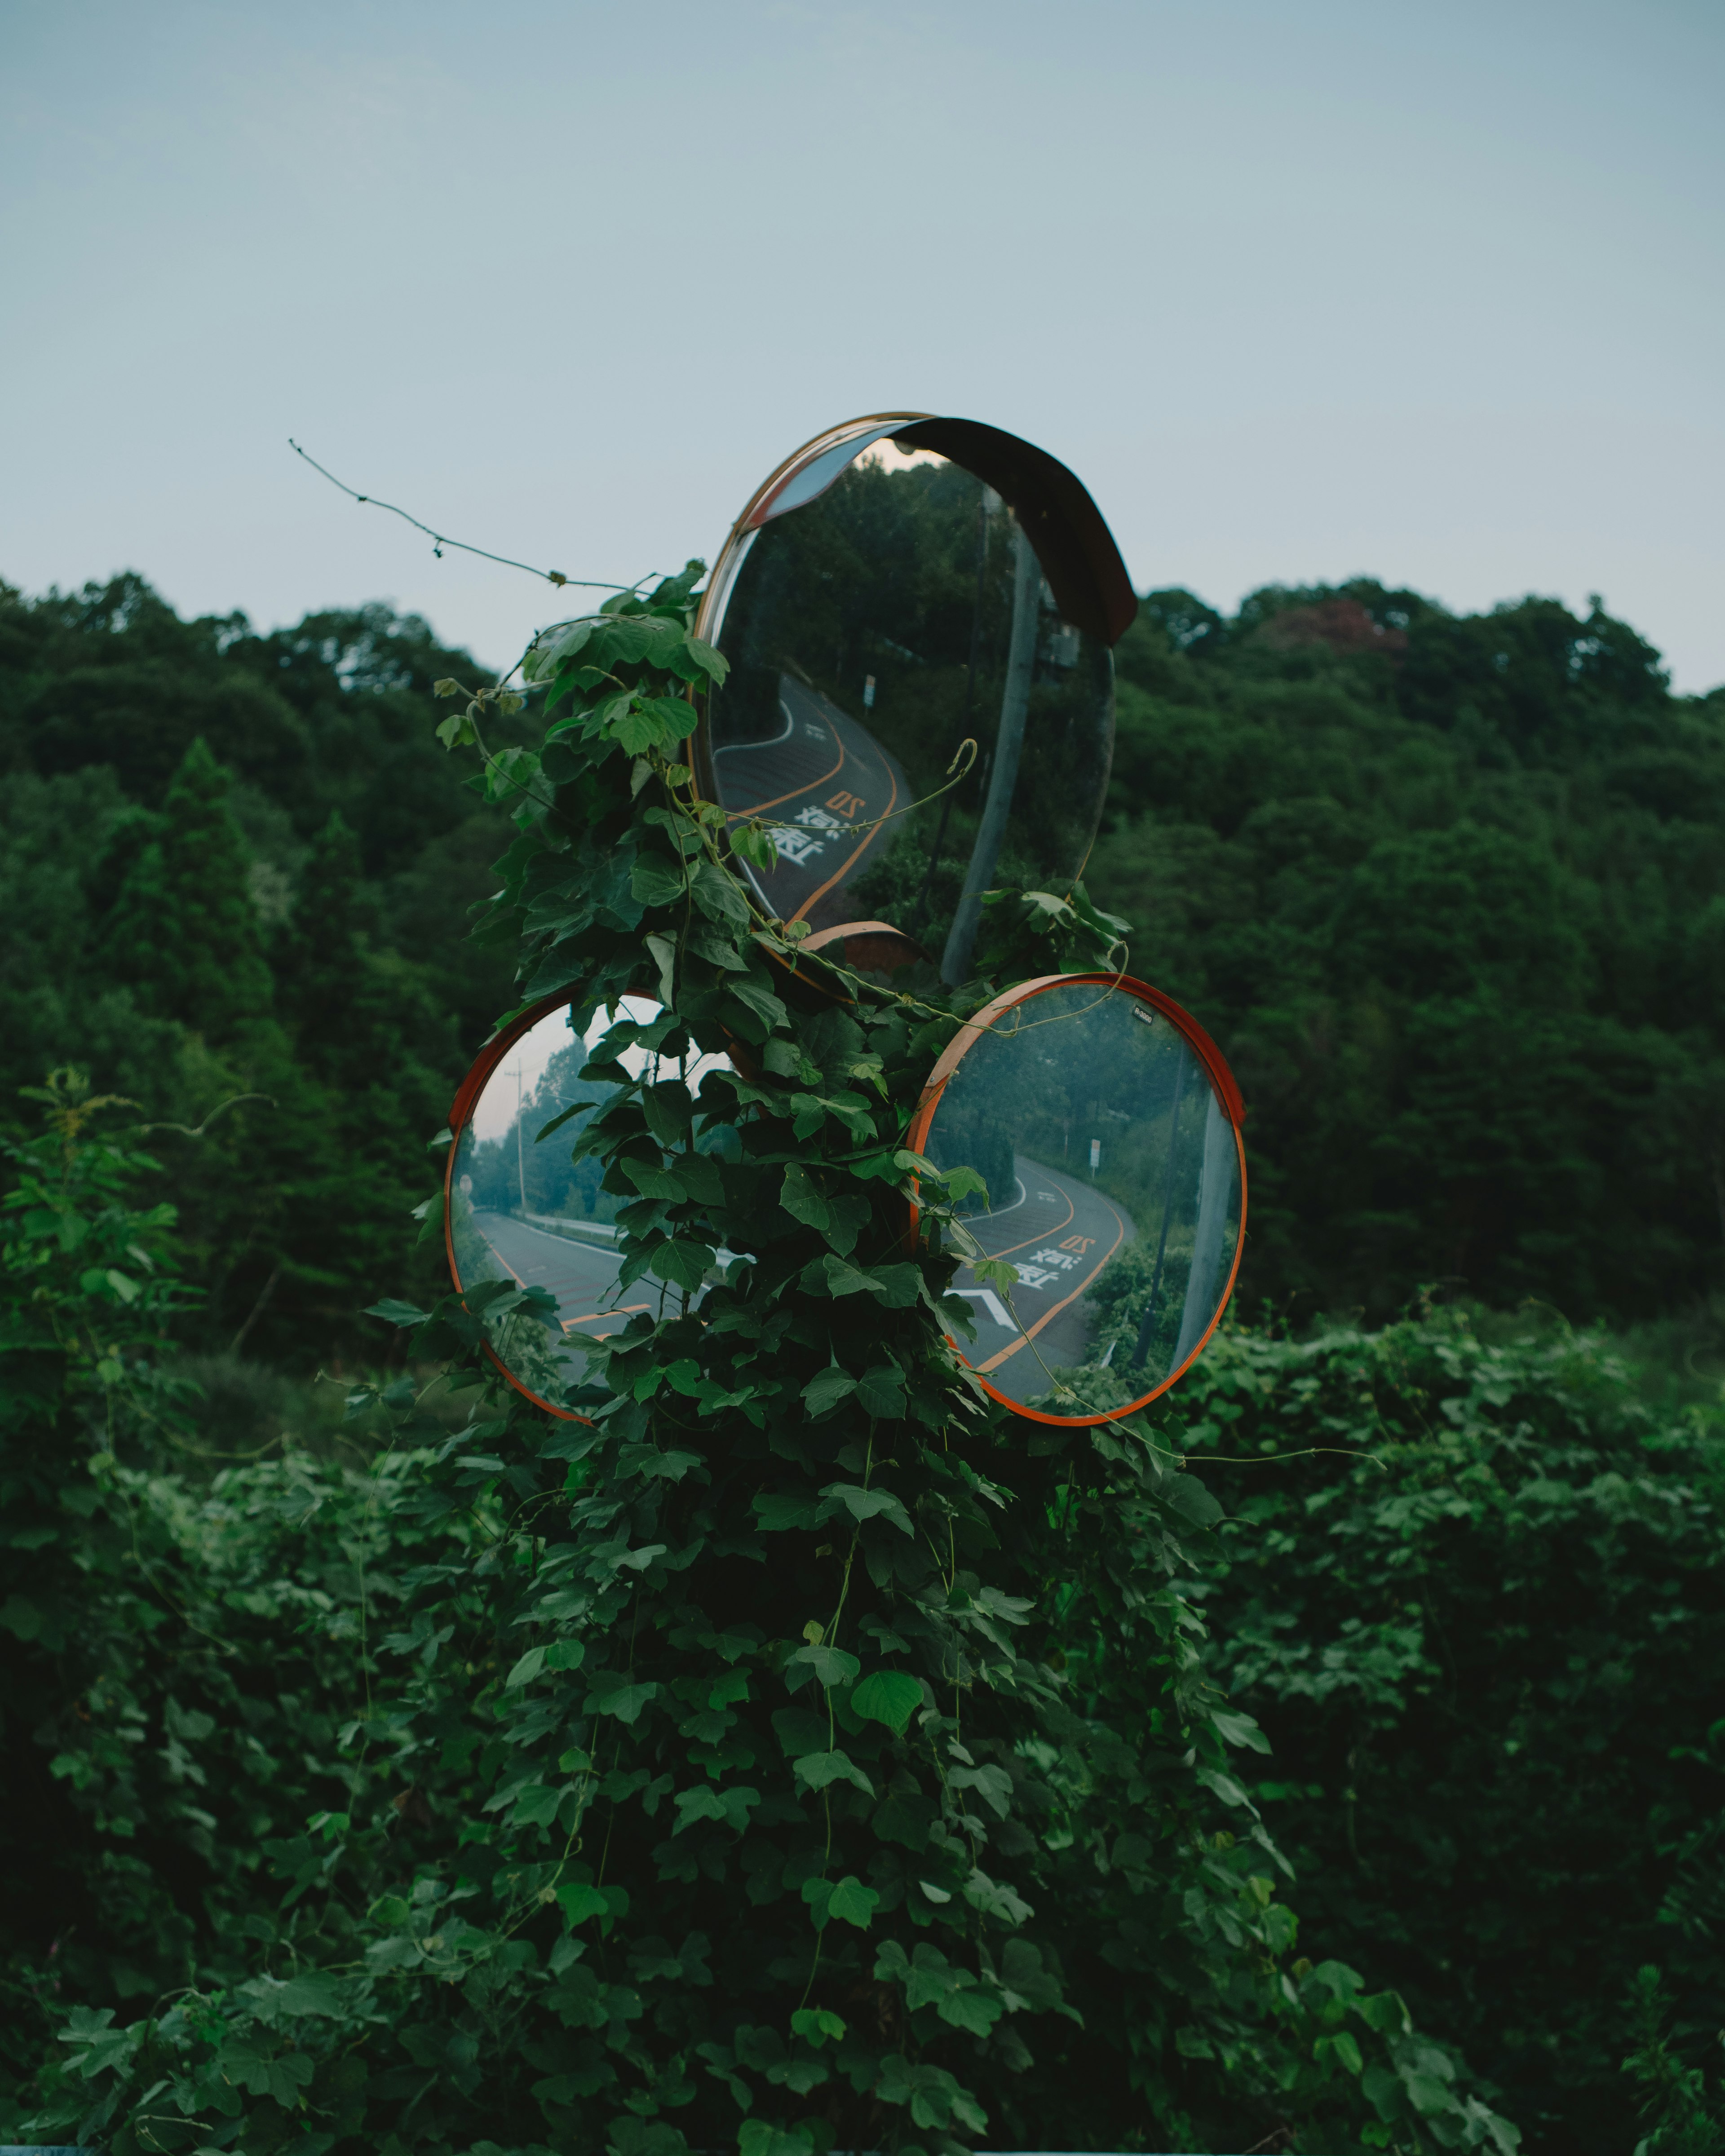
x,y
1449,891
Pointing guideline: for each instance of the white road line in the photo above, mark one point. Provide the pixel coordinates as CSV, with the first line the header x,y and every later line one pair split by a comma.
x,y
773,741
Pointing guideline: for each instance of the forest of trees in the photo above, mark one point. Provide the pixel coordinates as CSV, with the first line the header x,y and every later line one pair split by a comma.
x,y
1449,893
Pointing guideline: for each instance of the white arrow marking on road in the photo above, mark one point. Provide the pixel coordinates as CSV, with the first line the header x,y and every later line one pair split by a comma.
x,y
986,1296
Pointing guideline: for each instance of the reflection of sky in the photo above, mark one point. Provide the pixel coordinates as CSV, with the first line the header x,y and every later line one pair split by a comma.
x,y
495,1111
890,457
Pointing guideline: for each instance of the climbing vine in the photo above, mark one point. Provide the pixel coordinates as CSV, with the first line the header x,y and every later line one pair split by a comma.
x,y
733,1773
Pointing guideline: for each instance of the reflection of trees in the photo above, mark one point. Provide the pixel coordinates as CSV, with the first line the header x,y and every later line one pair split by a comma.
x,y
1081,1065
545,1360
556,1184
907,577
1078,1065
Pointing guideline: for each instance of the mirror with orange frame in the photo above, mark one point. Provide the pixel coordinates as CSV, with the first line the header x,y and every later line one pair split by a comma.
x,y
531,1236
1103,1127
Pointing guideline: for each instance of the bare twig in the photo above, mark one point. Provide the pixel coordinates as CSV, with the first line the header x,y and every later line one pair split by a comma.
x,y
439,541
185,1130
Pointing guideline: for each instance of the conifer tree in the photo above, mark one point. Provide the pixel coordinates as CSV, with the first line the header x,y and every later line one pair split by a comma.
x,y
328,986
184,930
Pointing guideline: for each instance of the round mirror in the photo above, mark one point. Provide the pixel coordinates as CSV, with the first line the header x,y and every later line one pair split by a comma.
x,y
1104,1127
903,584
531,1237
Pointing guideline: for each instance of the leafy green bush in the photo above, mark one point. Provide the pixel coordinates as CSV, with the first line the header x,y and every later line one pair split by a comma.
x,y
1474,1589
795,1756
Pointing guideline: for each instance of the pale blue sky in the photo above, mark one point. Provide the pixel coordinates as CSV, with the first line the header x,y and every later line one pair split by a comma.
x,y
1428,292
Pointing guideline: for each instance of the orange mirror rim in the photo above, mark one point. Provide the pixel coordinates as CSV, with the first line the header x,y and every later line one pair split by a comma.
x,y
461,1110
1227,1091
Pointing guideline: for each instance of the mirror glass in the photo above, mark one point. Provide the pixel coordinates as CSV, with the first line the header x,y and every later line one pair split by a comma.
x,y
523,1214
870,631
1115,1192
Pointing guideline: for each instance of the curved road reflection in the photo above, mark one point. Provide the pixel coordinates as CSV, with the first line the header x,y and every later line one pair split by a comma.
x,y
582,1279
818,778
1060,1232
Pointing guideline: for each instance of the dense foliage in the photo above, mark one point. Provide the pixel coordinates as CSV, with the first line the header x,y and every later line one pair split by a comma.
x,y
240,865
798,1757
1447,889
1481,1613
757,1803
1449,893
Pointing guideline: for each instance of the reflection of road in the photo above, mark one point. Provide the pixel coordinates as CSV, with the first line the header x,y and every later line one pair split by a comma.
x,y
580,1277
817,778
1060,1232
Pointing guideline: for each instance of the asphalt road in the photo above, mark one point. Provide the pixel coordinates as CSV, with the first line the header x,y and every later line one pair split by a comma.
x,y
582,1279
1060,1231
819,778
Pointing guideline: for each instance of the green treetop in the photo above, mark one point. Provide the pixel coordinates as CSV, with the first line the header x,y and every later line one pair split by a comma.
x,y
184,928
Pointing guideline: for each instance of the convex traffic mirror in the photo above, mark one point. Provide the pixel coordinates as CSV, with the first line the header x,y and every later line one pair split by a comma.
x,y
533,1239
1106,1126
901,584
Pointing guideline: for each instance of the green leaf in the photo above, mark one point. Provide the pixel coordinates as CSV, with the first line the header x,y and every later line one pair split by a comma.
x,y
992,1783
906,1819
864,1504
758,2136
730,1806
889,1696
393,1312
778,1515
854,1903
26,1620
684,1264
280,2074
897,1286
537,1805
721,899
815,2024
555,647
677,716
974,2011
803,1199
827,1388
820,1770
639,728
1189,1498
831,1665
430,1217
995,1900
526,1669
1239,1729
1430,2096
656,883
578,1903
510,771
1385,2011
765,1005
1224,1785
624,1700
712,660
881,1393
663,951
